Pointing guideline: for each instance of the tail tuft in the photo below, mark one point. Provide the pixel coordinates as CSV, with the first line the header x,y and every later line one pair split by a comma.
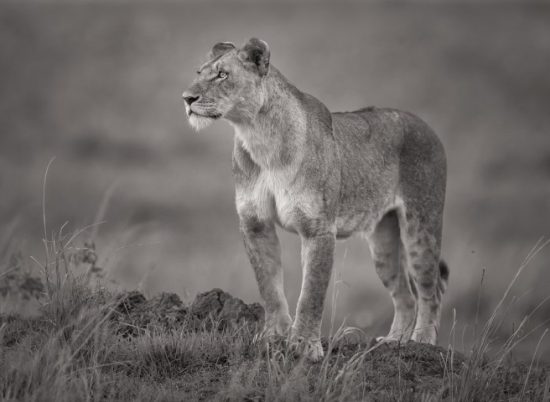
x,y
443,275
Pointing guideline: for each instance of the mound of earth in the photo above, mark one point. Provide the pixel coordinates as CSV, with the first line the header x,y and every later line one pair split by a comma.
x,y
217,367
166,312
411,367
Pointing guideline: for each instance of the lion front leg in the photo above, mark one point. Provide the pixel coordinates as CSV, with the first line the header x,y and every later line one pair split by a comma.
x,y
317,259
263,250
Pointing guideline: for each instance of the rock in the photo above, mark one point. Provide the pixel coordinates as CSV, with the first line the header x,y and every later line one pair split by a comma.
x,y
225,310
128,302
235,311
208,304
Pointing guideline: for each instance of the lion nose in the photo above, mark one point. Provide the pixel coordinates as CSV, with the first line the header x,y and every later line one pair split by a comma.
x,y
189,99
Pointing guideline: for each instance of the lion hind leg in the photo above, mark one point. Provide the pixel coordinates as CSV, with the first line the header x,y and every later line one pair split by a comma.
x,y
421,236
390,264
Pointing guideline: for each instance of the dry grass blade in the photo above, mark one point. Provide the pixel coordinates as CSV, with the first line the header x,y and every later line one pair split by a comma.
x,y
44,221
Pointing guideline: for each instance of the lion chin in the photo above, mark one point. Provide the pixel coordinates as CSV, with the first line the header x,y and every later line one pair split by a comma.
x,y
199,122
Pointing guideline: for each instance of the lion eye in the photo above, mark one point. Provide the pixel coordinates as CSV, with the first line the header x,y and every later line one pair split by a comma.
x,y
222,75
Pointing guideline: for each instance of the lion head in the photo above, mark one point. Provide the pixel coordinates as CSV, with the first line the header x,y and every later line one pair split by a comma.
x,y
229,84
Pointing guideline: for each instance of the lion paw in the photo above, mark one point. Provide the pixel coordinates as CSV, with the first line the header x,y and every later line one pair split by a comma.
x,y
310,349
427,334
277,326
392,338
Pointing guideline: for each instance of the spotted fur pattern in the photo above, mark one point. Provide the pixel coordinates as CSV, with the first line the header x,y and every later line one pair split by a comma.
x,y
376,171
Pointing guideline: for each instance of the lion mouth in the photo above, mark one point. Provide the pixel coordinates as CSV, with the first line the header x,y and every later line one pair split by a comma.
x,y
213,116
201,120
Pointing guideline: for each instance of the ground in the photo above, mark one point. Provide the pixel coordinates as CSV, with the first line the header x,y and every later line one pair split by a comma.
x,y
88,343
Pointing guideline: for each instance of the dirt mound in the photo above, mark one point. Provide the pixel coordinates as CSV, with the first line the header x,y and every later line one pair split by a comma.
x,y
227,309
418,368
171,342
166,312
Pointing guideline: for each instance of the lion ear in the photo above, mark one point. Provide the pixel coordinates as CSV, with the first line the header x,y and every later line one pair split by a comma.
x,y
256,51
220,48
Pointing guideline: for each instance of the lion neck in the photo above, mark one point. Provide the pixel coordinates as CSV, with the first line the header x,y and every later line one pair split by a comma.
x,y
273,132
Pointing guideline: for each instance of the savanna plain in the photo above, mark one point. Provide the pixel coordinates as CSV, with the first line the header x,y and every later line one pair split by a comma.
x,y
112,263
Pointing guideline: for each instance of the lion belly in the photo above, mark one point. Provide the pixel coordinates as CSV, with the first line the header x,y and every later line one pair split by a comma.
x,y
368,145
347,226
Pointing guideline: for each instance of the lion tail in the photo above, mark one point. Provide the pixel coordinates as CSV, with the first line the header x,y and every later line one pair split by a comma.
x,y
443,281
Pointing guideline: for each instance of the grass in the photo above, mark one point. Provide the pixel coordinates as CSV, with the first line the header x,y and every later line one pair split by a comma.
x,y
477,73
78,349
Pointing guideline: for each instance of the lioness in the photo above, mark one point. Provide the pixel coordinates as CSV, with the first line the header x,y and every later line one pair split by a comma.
x,y
325,176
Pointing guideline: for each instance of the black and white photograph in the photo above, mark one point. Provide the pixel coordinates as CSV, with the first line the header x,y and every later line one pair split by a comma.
x,y
275,200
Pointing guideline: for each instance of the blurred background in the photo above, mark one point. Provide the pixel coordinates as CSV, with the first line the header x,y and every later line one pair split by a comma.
x,y
97,85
